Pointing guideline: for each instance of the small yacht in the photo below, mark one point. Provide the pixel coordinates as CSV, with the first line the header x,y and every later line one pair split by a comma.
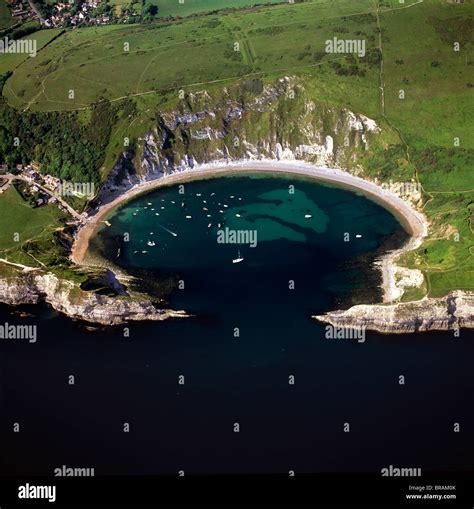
x,y
238,259
307,216
151,243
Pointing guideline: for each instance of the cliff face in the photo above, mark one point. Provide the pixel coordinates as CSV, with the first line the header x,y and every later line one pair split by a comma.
x,y
446,313
249,121
66,297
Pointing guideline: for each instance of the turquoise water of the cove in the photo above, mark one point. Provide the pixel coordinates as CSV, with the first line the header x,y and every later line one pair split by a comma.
x,y
251,333
299,243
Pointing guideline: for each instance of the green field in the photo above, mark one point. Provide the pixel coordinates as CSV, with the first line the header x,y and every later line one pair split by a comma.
x,y
9,61
199,51
175,8
5,18
34,228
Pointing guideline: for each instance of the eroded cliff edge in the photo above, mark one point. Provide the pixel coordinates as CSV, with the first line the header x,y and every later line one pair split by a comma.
x,y
34,286
452,312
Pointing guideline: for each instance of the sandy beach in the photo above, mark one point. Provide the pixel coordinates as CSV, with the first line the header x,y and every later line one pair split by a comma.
x,y
413,221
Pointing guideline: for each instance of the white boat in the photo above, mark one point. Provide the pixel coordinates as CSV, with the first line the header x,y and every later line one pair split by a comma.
x,y
238,259
307,216
358,236
172,202
157,213
151,243
232,196
238,215
221,211
226,206
189,217
169,231
149,203
212,194
209,225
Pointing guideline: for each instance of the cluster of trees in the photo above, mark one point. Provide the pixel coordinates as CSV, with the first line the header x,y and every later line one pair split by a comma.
x,y
65,147
23,30
45,8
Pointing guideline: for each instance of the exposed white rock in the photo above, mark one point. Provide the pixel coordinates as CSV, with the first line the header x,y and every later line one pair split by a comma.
x,y
66,297
447,313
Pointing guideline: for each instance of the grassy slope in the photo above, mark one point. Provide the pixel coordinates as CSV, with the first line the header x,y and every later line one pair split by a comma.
x,y
32,225
174,8
286,39
92,62
5,18
437,108
9,61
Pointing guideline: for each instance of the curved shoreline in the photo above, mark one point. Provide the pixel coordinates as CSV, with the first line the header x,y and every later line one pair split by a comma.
x,y
413,221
